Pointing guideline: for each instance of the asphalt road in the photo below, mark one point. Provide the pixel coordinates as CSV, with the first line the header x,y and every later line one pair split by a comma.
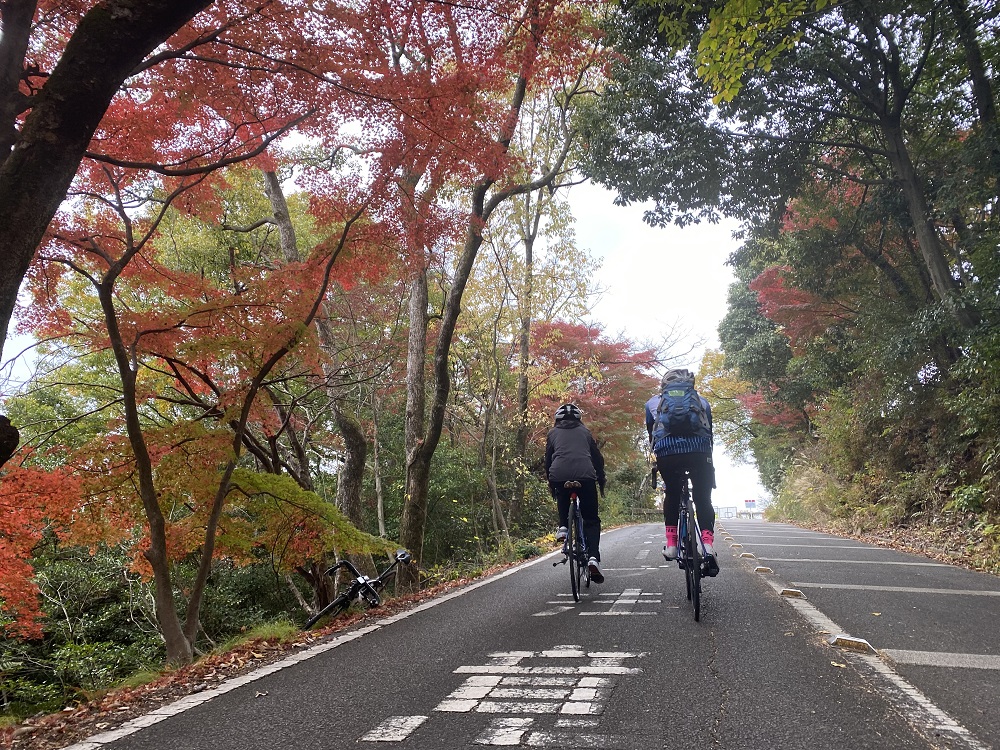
x,y
513,661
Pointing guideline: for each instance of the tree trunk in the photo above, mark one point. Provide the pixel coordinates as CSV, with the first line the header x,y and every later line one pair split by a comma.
x,y
931,249
179,649
350,479
414,518
377,466
109,43
523,364
421,446
982,87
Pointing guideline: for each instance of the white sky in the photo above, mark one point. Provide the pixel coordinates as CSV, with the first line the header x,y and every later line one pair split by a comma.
x,y
661,278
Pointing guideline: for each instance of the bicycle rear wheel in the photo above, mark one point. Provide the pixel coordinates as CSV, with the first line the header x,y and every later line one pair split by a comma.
x,y
684,551
574,557
692,554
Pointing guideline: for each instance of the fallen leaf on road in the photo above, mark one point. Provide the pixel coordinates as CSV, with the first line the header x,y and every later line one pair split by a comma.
x,y
877,614
260,694
838,665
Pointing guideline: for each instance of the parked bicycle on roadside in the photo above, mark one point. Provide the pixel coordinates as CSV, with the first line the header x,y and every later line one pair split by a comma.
x,y
362,587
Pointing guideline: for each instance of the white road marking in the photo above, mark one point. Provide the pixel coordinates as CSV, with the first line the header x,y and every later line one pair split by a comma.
x,y
929,720
942,659
623,603
98,741
507,686
516,707
506,731
616,614
552,611
576,722
899,589
854,562
567,739
394,729
822,546
510,670
643,554
791,536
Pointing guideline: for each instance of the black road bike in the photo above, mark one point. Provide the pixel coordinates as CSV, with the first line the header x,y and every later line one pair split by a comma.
x,y
691,556
362,588
575,545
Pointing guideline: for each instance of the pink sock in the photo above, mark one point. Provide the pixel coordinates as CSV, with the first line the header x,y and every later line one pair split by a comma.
x,y
708,537
671,536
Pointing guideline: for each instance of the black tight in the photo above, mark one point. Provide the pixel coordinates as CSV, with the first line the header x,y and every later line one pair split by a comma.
x,y
588,509
702,472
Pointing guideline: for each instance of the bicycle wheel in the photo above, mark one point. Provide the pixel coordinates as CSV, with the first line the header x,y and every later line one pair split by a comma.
x,y
584,554
573,542
340,602
693,553
684,551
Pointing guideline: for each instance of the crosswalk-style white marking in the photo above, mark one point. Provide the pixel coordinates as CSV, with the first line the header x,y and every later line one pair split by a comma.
x,y
394,729
624,603
507,685
553,611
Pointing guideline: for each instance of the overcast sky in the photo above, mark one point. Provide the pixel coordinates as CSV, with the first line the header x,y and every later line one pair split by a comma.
x,y
656,279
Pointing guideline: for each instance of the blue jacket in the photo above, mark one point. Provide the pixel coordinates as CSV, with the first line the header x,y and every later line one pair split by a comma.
x,y
671,445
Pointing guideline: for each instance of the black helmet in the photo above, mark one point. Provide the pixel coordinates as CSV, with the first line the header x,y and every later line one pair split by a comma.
x,y
674,376
568,411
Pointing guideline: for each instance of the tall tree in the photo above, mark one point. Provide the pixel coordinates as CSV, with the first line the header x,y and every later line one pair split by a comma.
x,y
518,51
793,89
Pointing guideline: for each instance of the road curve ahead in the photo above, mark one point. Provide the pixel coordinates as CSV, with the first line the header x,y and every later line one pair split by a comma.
x,y
513,661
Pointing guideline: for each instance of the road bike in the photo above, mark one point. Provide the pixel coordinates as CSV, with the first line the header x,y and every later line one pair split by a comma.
x,y
362,587
575,544
691,555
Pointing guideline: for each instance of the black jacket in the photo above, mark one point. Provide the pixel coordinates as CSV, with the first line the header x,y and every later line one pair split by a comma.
x,y
571,453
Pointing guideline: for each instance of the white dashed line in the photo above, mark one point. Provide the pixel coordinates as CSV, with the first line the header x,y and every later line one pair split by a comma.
x,y
942,659
854,562
898,589
929,720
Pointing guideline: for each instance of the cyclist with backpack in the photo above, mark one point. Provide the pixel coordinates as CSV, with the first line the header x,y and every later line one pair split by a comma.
x,y
679,423
572,454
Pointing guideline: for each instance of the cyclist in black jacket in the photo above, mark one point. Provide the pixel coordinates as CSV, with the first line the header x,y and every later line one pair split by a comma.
x,y
571,454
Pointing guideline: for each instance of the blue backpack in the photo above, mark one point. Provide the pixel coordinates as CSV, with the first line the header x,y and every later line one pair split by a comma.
x,y
681,412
